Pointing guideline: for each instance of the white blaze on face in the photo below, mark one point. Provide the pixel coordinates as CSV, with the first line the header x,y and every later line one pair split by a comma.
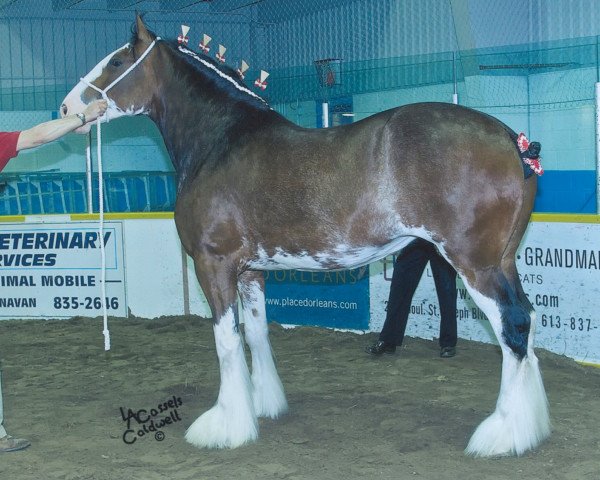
x,y
75,104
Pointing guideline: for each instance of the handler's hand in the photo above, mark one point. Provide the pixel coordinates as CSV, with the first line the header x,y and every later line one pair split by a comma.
x,y
95,109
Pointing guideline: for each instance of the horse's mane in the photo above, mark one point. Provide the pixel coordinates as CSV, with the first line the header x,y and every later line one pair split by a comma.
x,y
224,77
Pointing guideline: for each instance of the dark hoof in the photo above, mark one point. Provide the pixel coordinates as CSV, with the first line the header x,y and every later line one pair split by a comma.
x,y
379,348
447,352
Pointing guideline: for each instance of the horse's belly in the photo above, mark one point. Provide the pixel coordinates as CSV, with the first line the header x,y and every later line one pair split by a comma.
x,y
338,258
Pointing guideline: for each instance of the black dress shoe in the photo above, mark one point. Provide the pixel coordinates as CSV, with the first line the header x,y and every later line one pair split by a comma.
x,y
380,347
447,352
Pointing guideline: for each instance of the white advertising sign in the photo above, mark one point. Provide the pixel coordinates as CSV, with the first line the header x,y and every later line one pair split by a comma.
x,y
54,270
559,266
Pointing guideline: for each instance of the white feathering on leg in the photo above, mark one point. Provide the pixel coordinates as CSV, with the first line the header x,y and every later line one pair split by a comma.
x,y
231,422
269,397
521,420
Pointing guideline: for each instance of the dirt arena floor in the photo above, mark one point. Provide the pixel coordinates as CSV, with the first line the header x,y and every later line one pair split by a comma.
x,y
351,416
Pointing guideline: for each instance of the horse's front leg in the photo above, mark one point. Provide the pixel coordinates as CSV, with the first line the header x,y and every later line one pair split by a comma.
x,y
231,422
268,395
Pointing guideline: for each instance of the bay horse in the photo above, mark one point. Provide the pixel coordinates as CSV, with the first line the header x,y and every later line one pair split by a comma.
x,y
257,192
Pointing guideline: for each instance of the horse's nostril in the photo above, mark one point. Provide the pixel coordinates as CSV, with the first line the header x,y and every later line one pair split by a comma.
x,y
64,109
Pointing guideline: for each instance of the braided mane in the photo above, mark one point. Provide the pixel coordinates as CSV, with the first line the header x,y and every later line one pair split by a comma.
x,y
224,77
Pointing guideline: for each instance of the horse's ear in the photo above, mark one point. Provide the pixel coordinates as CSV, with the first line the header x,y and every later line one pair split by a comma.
x,y
142,32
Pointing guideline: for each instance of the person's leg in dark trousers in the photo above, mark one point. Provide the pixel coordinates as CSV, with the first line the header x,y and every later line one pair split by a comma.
x,y
408,268
444,277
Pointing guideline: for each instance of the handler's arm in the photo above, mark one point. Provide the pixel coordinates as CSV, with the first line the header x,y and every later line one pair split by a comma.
x,y
54,129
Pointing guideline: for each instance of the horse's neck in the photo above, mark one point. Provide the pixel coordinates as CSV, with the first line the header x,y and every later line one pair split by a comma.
x,y
199,132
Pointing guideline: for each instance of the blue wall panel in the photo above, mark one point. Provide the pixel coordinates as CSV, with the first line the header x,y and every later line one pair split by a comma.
x,y
566,191
330,299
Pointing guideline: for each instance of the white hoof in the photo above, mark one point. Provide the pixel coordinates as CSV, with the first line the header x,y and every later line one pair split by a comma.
x,y
215,429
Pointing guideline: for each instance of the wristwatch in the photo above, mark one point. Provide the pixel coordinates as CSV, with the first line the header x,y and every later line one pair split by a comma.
x,y
81,117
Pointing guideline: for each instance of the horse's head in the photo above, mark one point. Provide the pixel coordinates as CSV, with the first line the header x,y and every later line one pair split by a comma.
x,y
121,77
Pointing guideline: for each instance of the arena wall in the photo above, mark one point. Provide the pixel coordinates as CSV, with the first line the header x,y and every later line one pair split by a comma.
x,y
558,261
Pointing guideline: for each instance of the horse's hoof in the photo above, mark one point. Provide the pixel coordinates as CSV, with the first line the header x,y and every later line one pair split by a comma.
x,y
217,428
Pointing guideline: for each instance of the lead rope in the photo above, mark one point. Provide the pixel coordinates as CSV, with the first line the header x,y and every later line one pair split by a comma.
x,y
105,332
101,184
88,155
88,173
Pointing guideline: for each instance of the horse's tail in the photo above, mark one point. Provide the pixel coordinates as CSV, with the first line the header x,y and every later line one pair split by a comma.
x,y
529,153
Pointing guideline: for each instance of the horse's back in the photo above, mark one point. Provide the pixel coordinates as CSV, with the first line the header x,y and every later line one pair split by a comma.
x,y
431,135
445,131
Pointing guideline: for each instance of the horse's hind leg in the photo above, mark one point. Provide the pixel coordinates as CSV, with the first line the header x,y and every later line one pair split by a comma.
x,y
510,270
520,421
231,422
268,395
531,386
508,262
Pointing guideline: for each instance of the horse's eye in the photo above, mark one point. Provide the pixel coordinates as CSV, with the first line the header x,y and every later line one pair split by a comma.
x,y
115,62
